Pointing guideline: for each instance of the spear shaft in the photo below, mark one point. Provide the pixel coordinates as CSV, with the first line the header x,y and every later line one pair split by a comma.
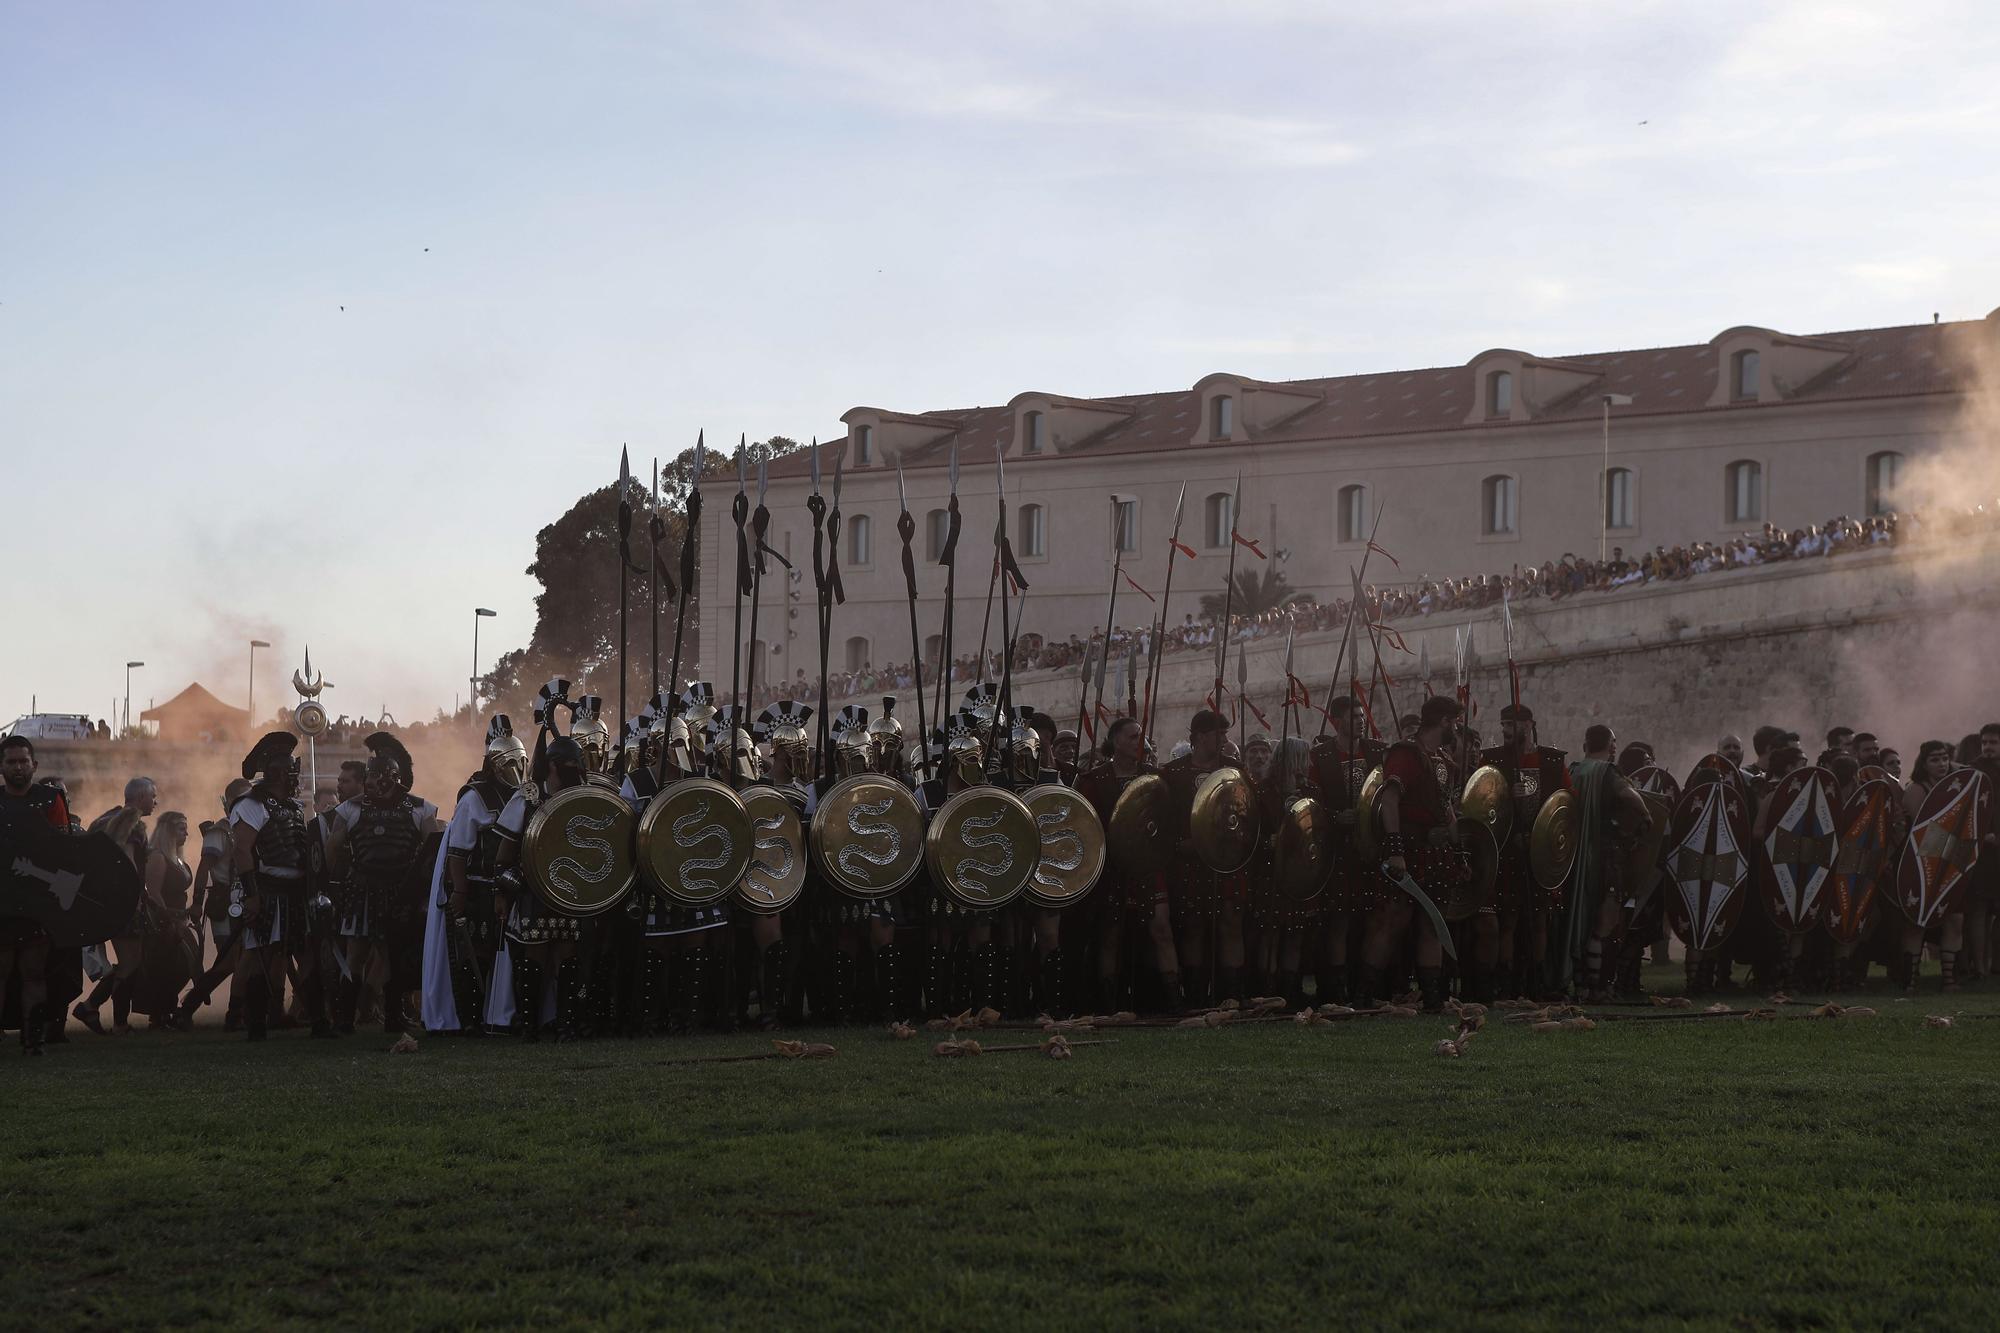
x,y
1166,596
1324,717
906,528
690,549
1228,599
624,562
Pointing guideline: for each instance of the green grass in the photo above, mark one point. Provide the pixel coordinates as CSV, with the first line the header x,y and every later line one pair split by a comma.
x,y
1647,1174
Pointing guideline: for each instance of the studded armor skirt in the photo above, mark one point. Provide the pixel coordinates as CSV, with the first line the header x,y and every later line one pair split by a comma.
x,y
534,922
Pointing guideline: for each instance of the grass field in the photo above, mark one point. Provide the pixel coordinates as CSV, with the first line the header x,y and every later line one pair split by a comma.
x,y
1649,1173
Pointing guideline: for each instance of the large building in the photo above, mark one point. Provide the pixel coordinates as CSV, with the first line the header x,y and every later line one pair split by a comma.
x,y
1510,459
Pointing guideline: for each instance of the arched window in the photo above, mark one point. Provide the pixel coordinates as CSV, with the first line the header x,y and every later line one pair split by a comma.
x,y
857,653
1031,432
1743,375
1034,536
1222,417
1351,513
1497,505
1618,498
864,444
937,524
1883,470
1743,498
1218,520
860,540
1500,393
1125,524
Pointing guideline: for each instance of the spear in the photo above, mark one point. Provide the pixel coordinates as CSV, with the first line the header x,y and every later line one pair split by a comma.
x,y
740,510
948,557
1083,703
1228,598
760,523
1128,678
1285,724
1004,573
829,596
1110,609
816,504
1507,628
906,528
656,532
992,582
1347,635
1242,698
690,547
624,563
1174,548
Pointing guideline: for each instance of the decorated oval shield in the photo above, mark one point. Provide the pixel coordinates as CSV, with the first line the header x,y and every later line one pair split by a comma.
x,y
1943,843
1800,848
1137,836
1653,780
1488,800
577,850
1301,850
982,847
1553,840
777,870
694,841
1868,825
1072,846
1708,863
1223,824
867,835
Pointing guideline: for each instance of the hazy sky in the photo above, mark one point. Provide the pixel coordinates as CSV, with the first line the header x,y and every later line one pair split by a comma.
x,y
558,227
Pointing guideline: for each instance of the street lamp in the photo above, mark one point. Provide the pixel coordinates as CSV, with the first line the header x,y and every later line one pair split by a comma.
x,y
1611,400
251,706
479,613
128,692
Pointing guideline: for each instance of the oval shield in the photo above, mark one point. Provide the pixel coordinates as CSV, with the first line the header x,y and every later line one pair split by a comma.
x,y
777,871
577,850
1488,800
1800,849
1553,840
1301,850
1639,869
1943,843
1707,864
1867,831
80,890
1137,836
867,835
1073,846
694,841
1223,823
1656,781
982,847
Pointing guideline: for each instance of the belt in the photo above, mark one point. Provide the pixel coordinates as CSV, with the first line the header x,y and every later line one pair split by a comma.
x,y
280,872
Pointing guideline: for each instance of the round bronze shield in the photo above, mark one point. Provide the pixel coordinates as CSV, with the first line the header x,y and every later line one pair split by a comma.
x,y
868,835
694,841
1552,842
1488,800
1475,838
1301,861
1137,836
982,847
1364,816
1223,824
577,850
777,870
1073,846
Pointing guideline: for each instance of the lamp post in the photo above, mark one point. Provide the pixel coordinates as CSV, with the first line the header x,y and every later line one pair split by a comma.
x,y
479,613
1611,400
128,693
250,706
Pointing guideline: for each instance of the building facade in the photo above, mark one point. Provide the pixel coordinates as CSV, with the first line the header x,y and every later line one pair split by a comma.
x,y
1510,459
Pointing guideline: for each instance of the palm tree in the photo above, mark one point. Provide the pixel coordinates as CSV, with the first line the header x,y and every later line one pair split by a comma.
x,y
1255,594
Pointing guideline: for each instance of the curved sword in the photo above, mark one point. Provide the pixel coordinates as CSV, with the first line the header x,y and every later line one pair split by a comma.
x,y
1409,886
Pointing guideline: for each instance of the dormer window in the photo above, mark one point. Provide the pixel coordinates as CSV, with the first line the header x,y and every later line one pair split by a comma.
x,y
1031,432
1743,376
864,444
1500,393
1222,417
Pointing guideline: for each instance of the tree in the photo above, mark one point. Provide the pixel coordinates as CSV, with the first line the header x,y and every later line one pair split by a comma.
x,y
1255,594
576,562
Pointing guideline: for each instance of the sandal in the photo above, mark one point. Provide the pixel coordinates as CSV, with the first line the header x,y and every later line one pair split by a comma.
x,y
89,1018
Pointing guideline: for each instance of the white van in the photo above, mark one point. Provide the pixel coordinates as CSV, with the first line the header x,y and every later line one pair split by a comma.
x,y
51,727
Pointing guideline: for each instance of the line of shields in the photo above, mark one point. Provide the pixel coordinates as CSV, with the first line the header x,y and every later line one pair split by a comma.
x,y
698,841
1814,861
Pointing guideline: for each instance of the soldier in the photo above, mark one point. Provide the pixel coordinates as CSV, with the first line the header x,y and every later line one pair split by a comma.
x,y
1130,899
963,967
1416,817
1035,932
1934,764
840,920
213,876
268,828
1511,931
592,735
541,942
461,927
1586,927
378,841
27,807
1342,761
891,915
782,727
1205,903
1281,921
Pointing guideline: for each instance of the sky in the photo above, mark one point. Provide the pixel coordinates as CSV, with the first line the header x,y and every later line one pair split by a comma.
x,y
312,314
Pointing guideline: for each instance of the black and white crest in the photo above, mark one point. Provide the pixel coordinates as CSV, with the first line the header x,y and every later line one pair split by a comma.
x,y
784,715
852,718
